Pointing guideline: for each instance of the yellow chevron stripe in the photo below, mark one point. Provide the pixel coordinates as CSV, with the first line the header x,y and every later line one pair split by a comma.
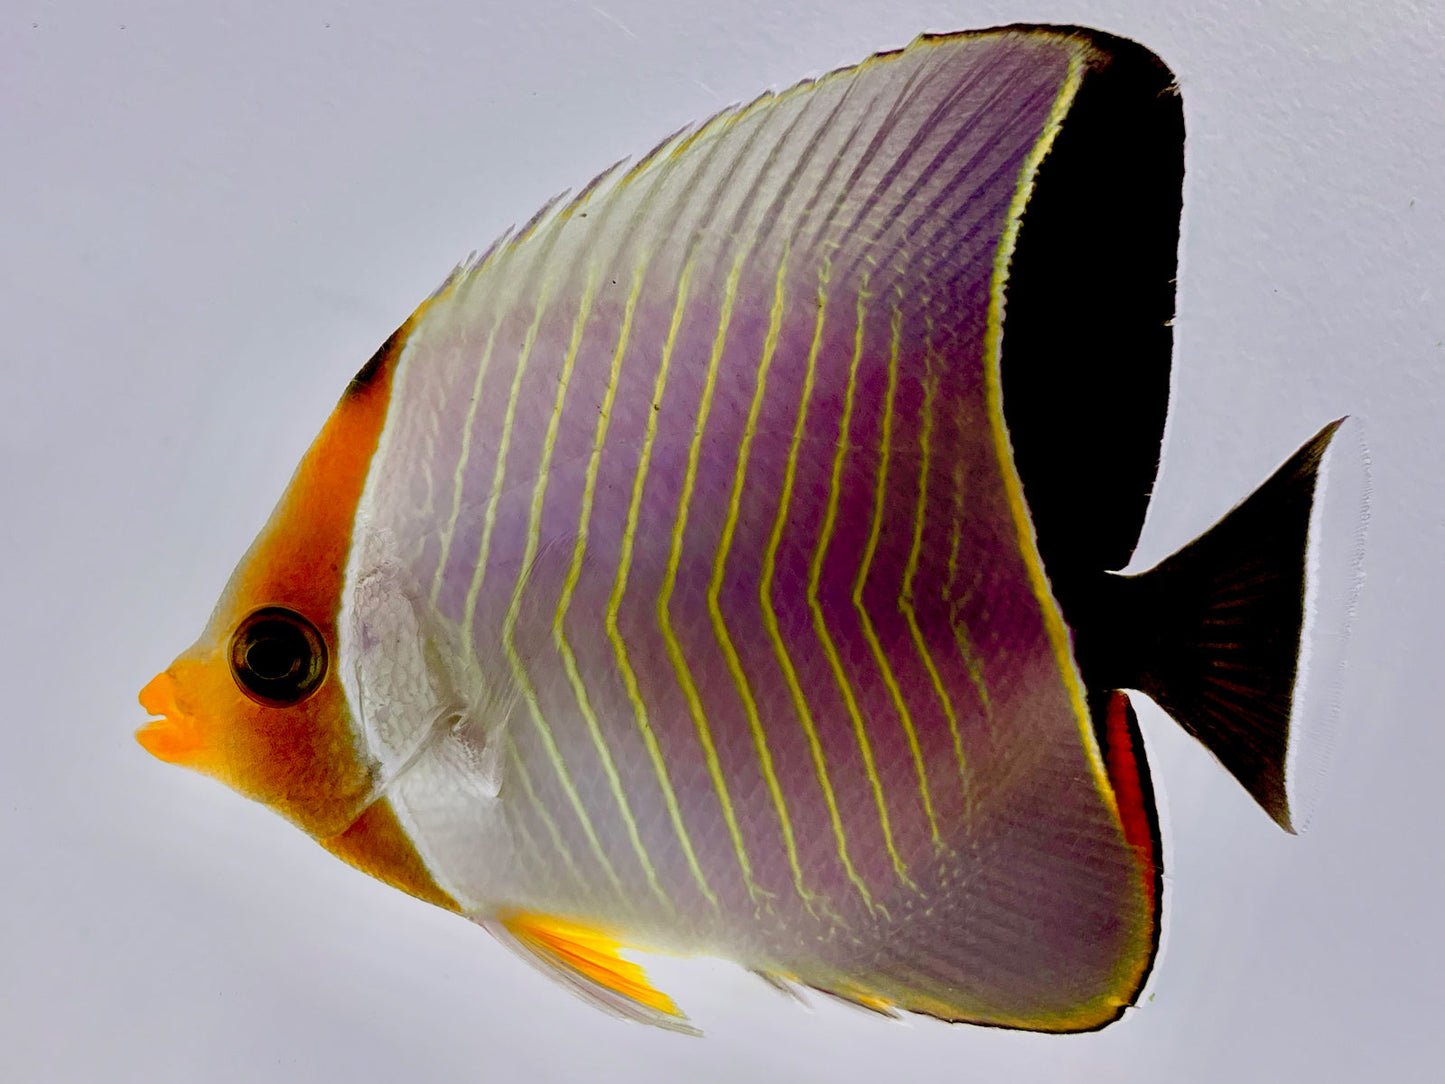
x,y
659,164
674,560
880,492
499,472
534,530
910,571
735,666
960,634
1038,580
619,588
770,616
458,478
569,588
955,529
815,572
541,809
452,291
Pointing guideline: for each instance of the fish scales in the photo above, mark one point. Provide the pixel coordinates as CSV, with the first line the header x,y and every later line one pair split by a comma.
x,y
692,598
693,745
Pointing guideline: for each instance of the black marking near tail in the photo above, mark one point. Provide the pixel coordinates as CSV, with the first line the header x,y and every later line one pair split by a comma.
x,y
1089,299
1212,634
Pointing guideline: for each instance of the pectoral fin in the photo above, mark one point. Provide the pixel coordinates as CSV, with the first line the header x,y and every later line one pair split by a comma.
x,y
588,962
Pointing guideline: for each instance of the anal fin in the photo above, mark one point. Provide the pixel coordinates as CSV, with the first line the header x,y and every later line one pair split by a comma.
x,y
860,997
588,961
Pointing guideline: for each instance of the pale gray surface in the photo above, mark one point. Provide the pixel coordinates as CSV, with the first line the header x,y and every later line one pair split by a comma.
x,y
208,220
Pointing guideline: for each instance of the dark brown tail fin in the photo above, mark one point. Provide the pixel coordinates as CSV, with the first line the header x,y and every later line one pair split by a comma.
x,y
1213,633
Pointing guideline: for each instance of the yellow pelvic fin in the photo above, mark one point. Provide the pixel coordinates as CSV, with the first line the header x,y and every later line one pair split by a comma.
x,y
588,961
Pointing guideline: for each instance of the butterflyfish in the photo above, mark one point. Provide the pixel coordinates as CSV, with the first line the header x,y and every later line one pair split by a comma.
x,y
723,563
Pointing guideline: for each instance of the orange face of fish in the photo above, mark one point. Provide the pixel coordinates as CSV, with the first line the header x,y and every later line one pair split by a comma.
x,y
257,701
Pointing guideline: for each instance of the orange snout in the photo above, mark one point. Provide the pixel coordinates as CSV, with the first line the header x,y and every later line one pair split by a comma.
x,y
173,737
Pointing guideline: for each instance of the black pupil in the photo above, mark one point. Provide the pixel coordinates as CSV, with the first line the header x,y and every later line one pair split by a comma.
x,y
277,652
277,657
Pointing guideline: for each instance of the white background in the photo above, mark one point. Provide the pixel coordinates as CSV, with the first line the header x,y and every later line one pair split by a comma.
x,y
210,216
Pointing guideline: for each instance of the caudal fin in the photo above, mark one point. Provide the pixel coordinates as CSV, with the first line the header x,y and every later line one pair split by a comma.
x,y
1213,633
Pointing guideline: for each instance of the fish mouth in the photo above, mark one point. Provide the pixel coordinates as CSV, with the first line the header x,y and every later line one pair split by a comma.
x,y
172,737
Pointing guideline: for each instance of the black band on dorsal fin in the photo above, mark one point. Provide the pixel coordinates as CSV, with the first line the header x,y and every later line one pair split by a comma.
x,y
1089,300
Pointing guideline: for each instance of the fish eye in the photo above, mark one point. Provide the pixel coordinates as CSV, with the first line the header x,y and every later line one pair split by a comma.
x,y
277,657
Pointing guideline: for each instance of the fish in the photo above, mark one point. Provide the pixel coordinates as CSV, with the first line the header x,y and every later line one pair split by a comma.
x,y
726,561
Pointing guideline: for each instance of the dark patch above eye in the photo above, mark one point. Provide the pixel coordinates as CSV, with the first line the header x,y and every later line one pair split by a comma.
x,y
277,657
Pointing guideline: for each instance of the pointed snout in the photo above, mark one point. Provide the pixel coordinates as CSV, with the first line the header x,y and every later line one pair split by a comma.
x,y
173,737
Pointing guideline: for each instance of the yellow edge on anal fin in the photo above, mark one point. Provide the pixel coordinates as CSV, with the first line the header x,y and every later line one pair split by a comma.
x,y
589,953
